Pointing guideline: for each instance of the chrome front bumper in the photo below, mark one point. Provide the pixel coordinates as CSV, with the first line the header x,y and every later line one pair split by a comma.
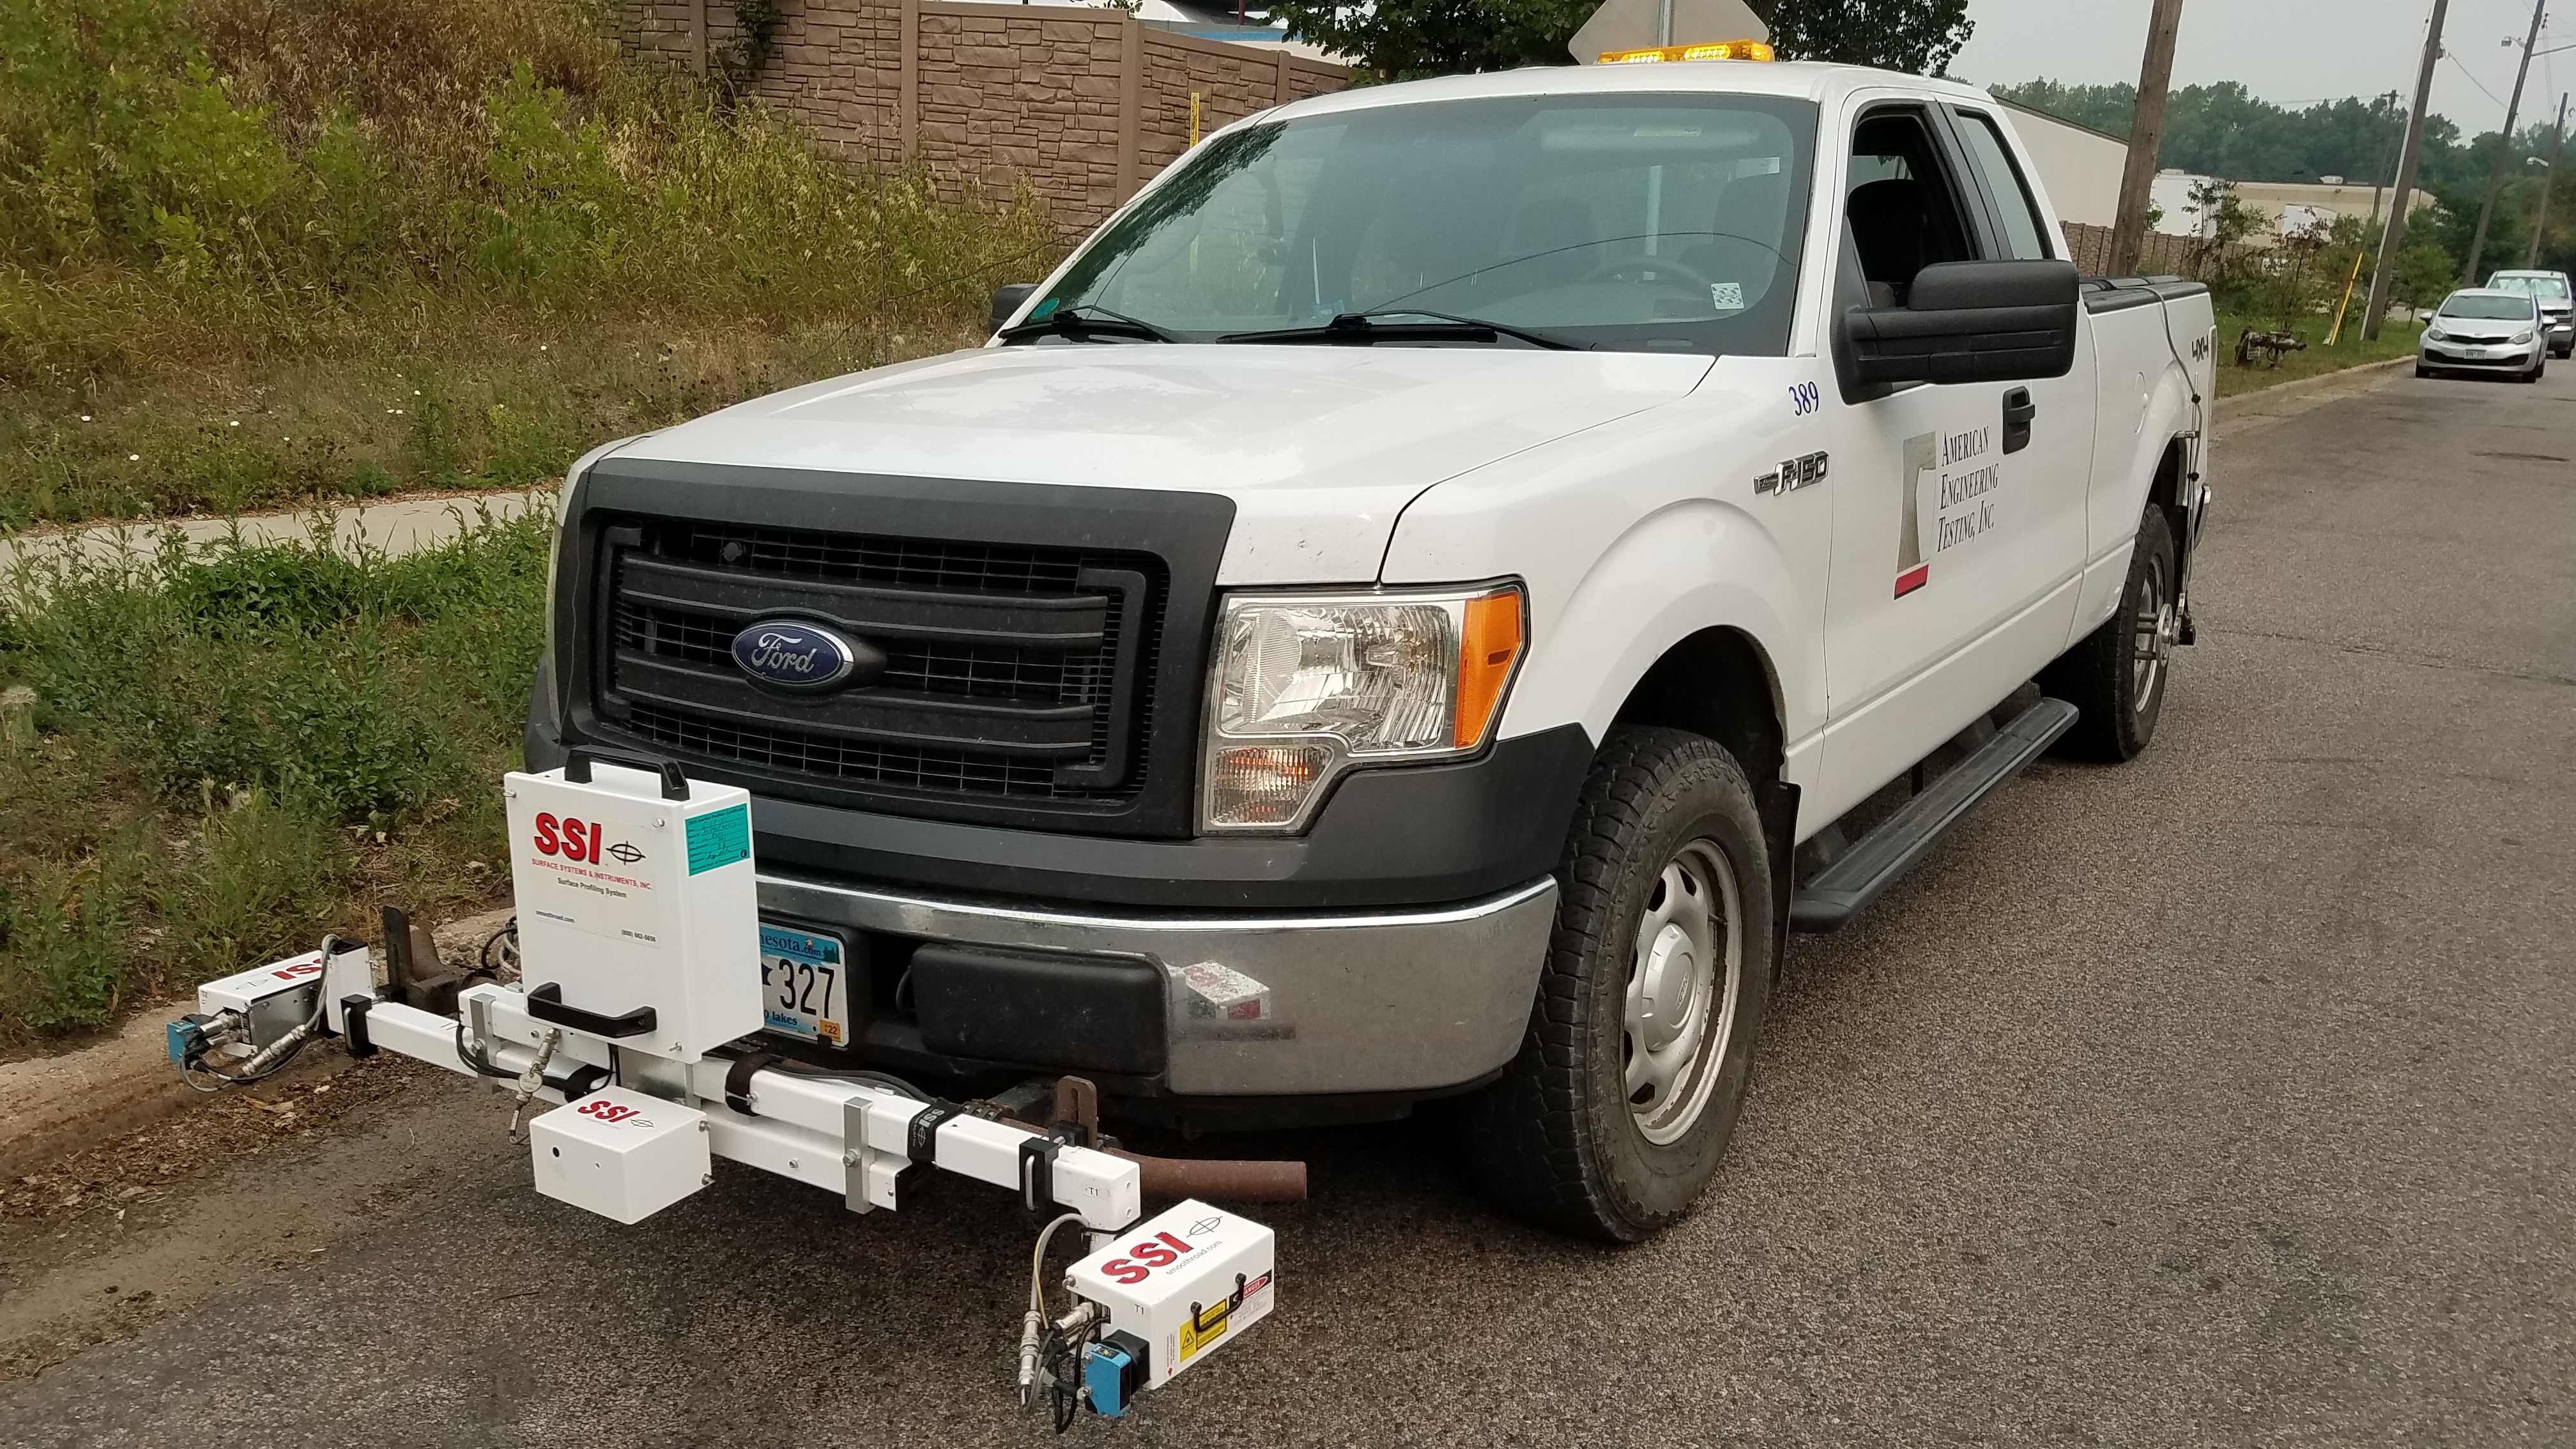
x,y
1381,1001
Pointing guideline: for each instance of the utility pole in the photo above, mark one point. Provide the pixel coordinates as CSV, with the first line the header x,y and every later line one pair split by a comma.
x,y
2504,143
2146,134
2392,237
2548,184
2379,167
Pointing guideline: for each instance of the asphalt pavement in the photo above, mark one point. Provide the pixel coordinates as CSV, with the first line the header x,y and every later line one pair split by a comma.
x,y
2222,1098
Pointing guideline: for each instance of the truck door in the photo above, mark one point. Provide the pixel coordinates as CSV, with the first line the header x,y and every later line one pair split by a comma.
x,y
1959,517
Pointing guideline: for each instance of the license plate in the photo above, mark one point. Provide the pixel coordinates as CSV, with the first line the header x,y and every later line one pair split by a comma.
x,y
2477,352
805,984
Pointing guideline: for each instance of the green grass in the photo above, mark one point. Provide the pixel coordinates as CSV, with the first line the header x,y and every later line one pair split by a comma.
x,y
2396,339
213,753
262,252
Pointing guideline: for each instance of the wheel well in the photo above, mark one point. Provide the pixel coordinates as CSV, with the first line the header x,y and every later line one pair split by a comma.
x,y
1718,684
2166,493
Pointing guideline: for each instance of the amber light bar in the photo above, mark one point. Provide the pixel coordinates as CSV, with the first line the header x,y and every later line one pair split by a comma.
x,y
1718,50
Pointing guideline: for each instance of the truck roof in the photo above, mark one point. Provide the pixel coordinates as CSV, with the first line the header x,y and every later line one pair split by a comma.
x,y
1808,80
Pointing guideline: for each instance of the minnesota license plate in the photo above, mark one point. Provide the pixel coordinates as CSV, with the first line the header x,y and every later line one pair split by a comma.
x,y
805,984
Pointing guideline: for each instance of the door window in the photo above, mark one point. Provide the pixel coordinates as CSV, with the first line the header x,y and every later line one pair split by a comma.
x,y
1903,207
2025,233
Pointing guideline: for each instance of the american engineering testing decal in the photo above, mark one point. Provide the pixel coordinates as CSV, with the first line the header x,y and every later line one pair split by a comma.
x,y
1961,507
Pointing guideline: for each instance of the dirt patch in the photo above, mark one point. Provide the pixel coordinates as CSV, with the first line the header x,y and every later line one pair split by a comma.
x,y
107,1240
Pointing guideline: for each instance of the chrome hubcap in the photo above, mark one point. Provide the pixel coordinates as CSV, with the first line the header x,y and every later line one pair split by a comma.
x,y
2155,627
1683,980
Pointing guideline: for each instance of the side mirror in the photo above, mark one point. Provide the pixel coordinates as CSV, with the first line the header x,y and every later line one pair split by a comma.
x,y
1970,322
1007,300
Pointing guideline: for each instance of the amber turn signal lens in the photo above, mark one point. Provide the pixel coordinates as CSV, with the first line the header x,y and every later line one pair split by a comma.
x,y
1487,648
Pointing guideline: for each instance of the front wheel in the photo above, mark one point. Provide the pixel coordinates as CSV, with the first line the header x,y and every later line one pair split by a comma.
x,y
2116,676
1626,1090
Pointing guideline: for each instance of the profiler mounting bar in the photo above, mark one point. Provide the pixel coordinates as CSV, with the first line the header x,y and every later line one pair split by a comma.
x,y
851,1137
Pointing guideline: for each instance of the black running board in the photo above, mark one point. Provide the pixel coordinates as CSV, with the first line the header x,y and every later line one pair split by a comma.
x,y
1842,889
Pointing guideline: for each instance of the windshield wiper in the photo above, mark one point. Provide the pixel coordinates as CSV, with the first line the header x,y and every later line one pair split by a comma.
x,y
1083,317
1362,328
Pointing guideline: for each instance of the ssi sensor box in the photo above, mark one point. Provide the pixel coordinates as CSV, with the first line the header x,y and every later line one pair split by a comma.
x,y
621,1154
1183,1283
639,916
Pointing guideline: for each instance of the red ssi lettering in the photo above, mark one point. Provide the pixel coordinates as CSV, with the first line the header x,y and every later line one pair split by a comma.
x,y
605,1111
1159,1251
572,839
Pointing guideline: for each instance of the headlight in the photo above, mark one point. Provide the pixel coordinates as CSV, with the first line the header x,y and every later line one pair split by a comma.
x,y
1307,686
2523,336
2436,334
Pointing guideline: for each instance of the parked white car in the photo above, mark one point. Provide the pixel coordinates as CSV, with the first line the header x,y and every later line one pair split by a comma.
x,y
2557,299
2485,329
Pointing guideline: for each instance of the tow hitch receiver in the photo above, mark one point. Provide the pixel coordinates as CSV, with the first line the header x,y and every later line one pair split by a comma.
x,y
638,1003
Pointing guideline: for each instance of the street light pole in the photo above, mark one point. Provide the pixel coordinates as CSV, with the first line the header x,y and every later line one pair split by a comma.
x,y
2146,133
2392,237
2548,184
2504,143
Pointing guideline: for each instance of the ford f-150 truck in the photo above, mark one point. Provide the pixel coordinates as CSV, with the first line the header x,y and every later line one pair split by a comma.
x,y
1416,607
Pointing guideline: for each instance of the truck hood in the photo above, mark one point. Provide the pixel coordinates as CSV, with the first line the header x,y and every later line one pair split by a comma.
x,y
1319,447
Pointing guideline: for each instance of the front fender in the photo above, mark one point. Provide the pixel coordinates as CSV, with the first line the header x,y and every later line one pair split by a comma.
x,y
1636,536
1691,566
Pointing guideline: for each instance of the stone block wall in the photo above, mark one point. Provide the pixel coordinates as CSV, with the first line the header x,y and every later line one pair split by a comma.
x,y
1082,105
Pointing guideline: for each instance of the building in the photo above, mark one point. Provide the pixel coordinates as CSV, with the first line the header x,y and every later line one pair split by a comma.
x,y
2079,166
2284,208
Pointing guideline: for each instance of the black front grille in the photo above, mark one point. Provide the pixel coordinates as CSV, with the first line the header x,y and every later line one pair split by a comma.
x,y
1013,672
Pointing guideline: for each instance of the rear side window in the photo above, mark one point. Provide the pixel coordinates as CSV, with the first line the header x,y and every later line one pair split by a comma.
x,y
2025,230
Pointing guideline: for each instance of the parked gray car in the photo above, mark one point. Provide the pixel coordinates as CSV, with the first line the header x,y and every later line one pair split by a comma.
x,y
2557,299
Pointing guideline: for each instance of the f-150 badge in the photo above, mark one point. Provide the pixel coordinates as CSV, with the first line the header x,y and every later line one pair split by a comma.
x,y
1792,475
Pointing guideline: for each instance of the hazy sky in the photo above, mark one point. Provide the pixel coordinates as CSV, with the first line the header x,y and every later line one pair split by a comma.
x,y
2291,52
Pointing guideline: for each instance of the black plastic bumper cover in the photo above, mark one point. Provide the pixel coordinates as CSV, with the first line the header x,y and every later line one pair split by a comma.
x,y
1082,1013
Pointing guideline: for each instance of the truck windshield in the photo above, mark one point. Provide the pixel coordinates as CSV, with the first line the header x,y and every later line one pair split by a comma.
x,y
1660,222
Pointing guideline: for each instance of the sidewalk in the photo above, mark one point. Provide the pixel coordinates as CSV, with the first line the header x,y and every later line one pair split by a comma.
x,y
396,525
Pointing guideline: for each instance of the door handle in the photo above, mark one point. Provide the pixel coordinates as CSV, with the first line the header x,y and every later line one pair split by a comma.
x,y
2018,411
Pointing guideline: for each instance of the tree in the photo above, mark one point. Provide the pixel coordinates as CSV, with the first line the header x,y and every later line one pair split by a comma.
x,y
1409,39
1922,36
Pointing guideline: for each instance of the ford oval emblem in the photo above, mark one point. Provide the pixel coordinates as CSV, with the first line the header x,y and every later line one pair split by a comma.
x,y
792,654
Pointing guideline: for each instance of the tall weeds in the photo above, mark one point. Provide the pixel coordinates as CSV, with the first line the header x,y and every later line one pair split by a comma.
x,y
235,746
201,198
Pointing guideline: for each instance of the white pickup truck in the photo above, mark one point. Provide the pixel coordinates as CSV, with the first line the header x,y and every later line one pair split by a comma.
x,y
1418,606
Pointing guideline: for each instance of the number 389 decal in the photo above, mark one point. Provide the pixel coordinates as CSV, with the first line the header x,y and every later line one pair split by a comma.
x,y
1804,399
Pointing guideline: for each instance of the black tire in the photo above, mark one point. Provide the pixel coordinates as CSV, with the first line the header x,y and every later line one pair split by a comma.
x,y
2422,371
1559,1139
2109,676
